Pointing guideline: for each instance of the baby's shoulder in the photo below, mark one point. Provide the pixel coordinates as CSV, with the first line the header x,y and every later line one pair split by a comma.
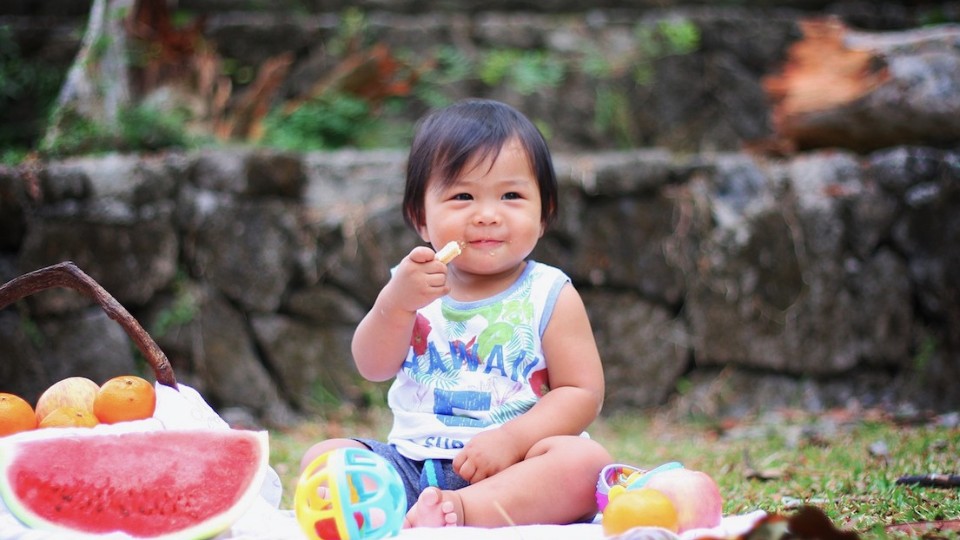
x,y
543,271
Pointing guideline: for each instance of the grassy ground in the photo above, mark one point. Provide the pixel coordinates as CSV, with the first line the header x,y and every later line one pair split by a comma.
x,y
845,463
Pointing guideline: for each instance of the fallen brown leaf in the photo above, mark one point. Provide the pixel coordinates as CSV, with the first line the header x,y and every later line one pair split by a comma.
x,y
924,527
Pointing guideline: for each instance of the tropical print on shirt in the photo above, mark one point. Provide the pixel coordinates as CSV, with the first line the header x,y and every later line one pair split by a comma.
x,y
473,365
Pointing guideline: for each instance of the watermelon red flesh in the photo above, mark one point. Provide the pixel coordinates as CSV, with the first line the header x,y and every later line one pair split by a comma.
x,y
176,484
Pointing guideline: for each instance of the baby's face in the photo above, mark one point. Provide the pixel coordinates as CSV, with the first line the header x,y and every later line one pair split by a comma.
x,y
492,208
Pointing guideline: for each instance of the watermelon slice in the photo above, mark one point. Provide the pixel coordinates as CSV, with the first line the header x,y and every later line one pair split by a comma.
x,y
155,484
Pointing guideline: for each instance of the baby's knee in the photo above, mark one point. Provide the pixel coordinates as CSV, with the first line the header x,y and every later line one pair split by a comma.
x,y
592,454
580,452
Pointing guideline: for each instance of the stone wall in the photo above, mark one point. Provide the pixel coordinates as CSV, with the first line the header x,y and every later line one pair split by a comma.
x,y
716,280
720,282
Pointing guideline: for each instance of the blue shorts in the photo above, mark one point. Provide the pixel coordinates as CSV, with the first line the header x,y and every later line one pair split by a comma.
x,y
417,475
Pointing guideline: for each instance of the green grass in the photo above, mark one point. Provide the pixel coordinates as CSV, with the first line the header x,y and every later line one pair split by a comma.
x,y
845,464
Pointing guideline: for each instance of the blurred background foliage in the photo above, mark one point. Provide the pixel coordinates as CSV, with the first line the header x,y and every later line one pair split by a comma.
x,y
353,106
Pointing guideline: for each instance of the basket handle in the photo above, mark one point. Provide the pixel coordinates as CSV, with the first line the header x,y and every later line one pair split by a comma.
x,y
66,274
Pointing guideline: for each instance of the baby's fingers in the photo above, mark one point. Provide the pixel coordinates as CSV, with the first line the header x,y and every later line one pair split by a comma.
x,y
421,254
469,471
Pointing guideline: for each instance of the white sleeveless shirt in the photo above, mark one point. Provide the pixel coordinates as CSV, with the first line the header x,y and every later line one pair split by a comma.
x,y
473,366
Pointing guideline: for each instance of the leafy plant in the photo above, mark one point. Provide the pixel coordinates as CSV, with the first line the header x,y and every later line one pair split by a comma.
x,y
148,128
22,82
181,311
81,136
325,122
661,39
372,108
31,329
352,32
611,114
666,37
13,156
139,128
681,36
524,71
450,65
925,354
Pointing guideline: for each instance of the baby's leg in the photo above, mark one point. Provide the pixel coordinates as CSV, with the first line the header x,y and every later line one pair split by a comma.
x,y
435,508
556,483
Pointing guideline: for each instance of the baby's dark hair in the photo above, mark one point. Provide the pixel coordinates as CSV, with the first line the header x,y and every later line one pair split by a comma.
x,y
447,139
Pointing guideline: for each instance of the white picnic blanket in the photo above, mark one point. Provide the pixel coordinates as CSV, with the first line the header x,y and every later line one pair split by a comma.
x,y
269,523
265,520
281,524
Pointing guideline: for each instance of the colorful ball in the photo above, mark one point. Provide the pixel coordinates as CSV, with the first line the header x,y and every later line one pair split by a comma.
x,y
617,478
350,494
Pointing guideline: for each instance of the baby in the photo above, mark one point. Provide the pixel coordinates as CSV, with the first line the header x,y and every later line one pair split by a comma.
x,y
496,371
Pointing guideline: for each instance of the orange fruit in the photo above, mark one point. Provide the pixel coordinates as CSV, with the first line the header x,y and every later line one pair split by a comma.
x,y
77,392
644,507
123,398
69,417
15,414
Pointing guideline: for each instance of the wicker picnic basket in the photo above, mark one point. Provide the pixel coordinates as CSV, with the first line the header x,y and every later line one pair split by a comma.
x,y
68,275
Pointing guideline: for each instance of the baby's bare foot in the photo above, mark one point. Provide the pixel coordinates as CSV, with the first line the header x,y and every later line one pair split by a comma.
x,y
435,508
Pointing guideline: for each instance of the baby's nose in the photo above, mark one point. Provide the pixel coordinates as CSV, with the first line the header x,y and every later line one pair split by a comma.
x,y
486,214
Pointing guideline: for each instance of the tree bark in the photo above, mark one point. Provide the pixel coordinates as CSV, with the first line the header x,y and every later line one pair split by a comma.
x,y
864,91
97,86
132,54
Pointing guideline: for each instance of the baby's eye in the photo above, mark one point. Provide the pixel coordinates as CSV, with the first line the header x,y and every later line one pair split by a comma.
x,y
512,196
462,197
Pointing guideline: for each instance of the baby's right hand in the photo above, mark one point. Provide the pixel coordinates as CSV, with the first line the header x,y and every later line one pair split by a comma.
x,y
418,280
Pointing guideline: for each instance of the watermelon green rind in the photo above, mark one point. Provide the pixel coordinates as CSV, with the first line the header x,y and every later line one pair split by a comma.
x,y
162,484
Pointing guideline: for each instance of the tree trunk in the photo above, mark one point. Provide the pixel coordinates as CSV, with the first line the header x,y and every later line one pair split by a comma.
x,y
133,55
864,91
97,85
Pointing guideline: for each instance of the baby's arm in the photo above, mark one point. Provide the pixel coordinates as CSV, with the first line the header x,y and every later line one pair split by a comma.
x,y
573,402
382,338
